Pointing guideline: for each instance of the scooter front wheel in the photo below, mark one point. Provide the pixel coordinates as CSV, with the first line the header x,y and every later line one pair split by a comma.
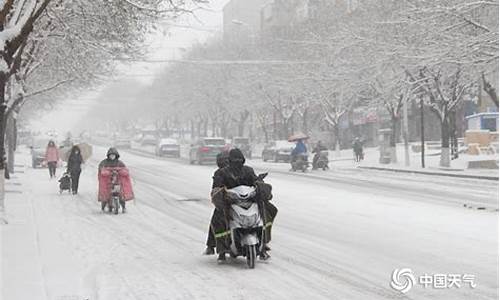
x,y
251,256
116,205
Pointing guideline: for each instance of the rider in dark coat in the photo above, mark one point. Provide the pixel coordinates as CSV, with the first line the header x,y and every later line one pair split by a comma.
x,y
218,214
233,175
317,152
236,173
75,161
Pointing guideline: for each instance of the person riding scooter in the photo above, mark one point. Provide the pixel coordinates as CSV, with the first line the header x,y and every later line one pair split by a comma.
x,y
299,155
317,152
230,176
217,215
112,161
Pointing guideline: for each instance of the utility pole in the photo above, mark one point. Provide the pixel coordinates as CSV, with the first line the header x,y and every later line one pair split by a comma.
x,y
422,137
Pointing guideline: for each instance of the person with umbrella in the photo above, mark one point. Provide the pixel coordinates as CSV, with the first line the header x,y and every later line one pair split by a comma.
x,y
75,161
300,147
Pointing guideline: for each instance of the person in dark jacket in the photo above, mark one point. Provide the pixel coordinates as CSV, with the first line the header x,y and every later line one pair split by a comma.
x,y
217,215
75,161
317,152
233,175
357,147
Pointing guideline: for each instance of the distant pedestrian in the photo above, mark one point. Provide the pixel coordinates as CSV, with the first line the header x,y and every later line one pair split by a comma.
x,y
75,161
357,147
52,158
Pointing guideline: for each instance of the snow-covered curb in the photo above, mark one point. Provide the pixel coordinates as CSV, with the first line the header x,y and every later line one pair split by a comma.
x,y
437,173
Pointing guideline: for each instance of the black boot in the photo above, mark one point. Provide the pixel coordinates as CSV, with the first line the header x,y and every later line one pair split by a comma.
x,y
209,251
264,255
222,257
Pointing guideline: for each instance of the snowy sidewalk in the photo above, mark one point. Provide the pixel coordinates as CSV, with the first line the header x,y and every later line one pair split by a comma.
x,y
19,238
29,241
458,167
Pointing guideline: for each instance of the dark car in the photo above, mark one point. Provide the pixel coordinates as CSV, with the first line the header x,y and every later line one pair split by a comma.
x,y
243,144
38,147
168,147
206,150
278,151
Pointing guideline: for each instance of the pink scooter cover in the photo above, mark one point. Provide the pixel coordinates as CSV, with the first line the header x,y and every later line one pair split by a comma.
x,y
104,177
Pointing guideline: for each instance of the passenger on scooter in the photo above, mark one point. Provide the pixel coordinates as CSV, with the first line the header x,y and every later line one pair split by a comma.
x,y
217,215
233,175
317,151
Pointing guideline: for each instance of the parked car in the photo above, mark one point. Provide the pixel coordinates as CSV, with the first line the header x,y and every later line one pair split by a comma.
x,y
122,143
278,151
149,140
243,144
206,150
168,147
38,147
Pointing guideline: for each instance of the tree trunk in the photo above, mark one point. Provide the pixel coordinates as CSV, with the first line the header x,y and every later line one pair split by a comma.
x,y
305,125
11,134
394,126
193,132
3,81
490,90
336,130
198,128
241,123
452,125
284,130
445,143
205,127
275,126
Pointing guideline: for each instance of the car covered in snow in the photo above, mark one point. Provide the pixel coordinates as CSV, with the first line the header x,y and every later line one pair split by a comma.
x,y
206,150
168,147
276,151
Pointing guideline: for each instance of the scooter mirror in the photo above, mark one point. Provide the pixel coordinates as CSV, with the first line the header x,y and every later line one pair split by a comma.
x,y
262,176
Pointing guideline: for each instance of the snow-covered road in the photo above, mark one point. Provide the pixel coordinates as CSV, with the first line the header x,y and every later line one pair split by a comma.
x,y
336,237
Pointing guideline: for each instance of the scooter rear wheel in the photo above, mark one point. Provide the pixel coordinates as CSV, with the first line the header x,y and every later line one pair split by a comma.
x,y
251,256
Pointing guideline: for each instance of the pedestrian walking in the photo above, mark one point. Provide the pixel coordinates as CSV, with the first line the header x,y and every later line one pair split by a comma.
x,y
75,161
52,158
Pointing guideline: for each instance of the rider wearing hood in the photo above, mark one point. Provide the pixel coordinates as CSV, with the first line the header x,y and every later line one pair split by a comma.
x,y
236,173
233,175
218,214
112,159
